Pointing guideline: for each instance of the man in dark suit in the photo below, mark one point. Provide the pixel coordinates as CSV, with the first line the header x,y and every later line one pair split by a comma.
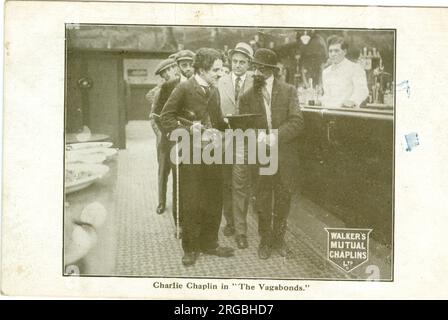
x,y
200,193
279,105
184,60
167,70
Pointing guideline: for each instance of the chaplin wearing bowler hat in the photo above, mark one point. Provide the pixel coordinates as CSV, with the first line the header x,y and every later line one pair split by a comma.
x,y
278,104
200,184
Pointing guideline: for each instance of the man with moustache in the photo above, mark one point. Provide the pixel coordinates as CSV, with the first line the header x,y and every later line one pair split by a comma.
x,y
184,60
167,70
278,104
200,194
236,177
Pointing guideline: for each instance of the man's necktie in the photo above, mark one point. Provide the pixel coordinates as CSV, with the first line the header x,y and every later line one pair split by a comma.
x,y
237,87
206,119
206,90
267,104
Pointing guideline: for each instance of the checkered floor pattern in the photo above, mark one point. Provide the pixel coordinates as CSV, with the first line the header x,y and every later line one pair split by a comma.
x,y
146,245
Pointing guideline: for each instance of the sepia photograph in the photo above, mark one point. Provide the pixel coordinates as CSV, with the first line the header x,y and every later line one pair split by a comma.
x,y
216,151
320,100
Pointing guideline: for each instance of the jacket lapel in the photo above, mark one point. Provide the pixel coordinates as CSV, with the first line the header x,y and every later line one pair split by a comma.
x,y
275,91
199,90
229,89
260,108
248,83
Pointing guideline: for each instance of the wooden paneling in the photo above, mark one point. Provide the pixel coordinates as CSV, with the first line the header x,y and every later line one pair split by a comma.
x,y
138,107
103,104
348,169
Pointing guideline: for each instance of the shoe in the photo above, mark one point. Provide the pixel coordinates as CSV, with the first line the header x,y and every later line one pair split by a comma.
x,y
229,230
264,251
241,242
282,248
223,252
160,208
189,258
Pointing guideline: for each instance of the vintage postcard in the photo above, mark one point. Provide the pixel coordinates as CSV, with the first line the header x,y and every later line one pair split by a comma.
x,y
216,151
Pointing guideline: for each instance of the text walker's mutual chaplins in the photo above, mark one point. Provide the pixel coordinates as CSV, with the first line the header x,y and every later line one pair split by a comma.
x,y
221,152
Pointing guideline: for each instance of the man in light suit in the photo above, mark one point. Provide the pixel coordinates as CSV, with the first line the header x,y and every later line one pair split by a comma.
x,y
278,104
231,87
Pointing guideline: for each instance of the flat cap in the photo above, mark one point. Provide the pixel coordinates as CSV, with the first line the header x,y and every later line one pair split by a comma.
x,y
184,55
164,64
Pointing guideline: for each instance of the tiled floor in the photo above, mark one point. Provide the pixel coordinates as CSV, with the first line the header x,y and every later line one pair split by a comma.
x,y
145,241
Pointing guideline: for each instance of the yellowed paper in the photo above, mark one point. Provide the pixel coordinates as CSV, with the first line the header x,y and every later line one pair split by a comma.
x,y
33,228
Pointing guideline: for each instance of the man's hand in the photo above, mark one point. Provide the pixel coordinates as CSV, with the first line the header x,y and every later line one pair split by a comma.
x,y
196,127
270,140
349,104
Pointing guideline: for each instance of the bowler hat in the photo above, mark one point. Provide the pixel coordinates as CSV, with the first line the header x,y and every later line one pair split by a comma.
x,y
163,65
184,55
243,48
265,57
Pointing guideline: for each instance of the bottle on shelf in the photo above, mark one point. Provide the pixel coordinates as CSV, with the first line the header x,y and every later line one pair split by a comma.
x,y
388,96
310,93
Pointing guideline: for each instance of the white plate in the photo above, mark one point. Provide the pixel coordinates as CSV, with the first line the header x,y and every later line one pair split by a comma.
x,y
84,158
88,174
88,145
107,152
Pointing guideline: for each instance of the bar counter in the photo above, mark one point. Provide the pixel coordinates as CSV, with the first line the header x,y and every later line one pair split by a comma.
x,y
347,165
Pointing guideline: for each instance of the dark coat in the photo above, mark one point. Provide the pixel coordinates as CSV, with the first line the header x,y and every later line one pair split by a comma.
x,y
286,117
165,91
190,96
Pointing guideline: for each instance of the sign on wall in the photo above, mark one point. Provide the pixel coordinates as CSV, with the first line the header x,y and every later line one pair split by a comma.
x,y
140,71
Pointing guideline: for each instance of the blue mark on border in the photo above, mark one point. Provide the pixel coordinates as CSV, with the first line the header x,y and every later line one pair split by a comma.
x,y
411,140
404,86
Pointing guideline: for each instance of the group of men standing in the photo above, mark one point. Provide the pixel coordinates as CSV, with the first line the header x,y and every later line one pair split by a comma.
x,y
203,193
197,96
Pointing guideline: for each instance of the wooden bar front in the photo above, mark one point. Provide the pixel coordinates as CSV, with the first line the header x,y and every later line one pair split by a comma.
x,y
347,166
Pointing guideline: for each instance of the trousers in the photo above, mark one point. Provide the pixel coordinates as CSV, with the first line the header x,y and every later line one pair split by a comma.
x,y
273,204
200,205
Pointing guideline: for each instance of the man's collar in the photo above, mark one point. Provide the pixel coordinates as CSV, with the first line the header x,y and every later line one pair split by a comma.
x,y
270,81
183,78
340,64
234,76
201,81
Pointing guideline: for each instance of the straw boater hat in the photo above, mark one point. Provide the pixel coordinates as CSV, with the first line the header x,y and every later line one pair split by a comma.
x,y
265,57
165,64
184,55
243,48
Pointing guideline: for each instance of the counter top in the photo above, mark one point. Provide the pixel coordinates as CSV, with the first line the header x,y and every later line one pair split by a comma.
x,y
366,113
